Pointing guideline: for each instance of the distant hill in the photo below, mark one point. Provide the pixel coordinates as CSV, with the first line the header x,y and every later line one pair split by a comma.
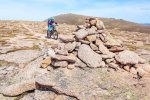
x,y
147,24
110,23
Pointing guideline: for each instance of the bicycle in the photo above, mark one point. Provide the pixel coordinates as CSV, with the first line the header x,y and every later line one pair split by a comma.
x,y
52,34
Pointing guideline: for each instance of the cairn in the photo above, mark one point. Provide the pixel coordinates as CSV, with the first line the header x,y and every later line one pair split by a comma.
x,y
92,46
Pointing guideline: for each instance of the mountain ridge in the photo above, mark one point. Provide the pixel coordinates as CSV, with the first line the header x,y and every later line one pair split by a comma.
x,y
110,23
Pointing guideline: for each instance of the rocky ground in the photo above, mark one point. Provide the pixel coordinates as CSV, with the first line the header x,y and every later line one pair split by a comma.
x,y
85,63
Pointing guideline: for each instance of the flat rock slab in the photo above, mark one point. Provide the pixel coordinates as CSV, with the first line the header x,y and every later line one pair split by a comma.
x,y
77,83
21,56
88,56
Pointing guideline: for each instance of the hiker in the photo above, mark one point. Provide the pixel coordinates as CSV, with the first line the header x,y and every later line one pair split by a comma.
x,y
51,26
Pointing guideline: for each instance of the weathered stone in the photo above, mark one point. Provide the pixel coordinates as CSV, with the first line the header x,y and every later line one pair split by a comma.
x,y
84,42
87,55
116,49
92,30
76,83
141,72
51,52
109,60
66,38
93,22
62,64
99,24
113,65
70,46
21,56
61,52
93,47
102,38
145,67
111,41
80,34
133,71
80,64
46,62
87,25
128,57
101,31
127,68
81,27
71,66
103,49
19,88
91,38
108,56
44,95
69,58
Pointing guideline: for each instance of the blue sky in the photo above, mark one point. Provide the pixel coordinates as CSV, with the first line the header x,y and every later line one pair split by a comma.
x,y
39,10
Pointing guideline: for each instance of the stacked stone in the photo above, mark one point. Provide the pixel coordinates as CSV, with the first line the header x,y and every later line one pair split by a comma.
x,y
93,47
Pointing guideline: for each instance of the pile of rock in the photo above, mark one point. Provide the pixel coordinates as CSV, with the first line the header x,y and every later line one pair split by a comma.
x,y
92,46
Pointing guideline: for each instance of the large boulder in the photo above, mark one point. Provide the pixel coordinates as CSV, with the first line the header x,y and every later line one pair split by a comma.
x,y
80,34
76,83
128,57
88,56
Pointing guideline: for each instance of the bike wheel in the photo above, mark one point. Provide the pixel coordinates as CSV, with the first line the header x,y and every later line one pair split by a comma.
x,y
55,35
48,34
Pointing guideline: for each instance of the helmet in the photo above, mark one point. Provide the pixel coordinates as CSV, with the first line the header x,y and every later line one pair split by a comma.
x,y
51,19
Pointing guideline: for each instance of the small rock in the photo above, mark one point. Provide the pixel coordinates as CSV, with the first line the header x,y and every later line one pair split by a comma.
x,y
101,31
62,64
98,42
133,71
81,27
127,68
102,38
145,67
113,65
108,56
91,38
93,47
103,49
111,41
80,34
141,72
51,52
84,42
70,46
99,24
87,25
46,62
92,30
93,22
71,66
66,38
61,52
70,58
109,60
116,49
